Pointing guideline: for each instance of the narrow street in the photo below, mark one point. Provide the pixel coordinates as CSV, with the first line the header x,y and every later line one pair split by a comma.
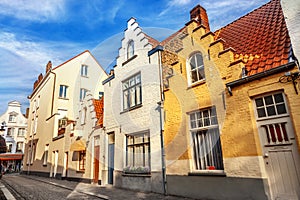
x,y
41,188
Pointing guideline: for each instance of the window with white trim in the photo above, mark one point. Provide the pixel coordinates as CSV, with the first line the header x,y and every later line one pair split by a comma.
x,y
270,105
12,118
132,92
84,70
82,158
130,49
207,151
21,132
138,150
82,93
196,68
11,132
63,89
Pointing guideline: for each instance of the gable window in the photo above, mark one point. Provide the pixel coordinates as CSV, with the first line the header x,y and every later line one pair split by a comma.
x,y
63,91
12,118
130,49
82,160
207,152
196,68
82,93
132,92
84,70
62,124
138,150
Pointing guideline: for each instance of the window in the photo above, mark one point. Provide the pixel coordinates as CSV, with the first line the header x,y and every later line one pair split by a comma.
x,y
62,123
81,160
130,49
9,148
84,70
63,91
10,132
32,153
207,150
196,68
21,132
138,150
101,94
45,157
270,105
38,102
12,118
20,146
132,92
83,116
82,93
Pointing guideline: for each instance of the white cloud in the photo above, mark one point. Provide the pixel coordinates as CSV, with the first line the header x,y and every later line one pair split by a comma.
x,y
178,2
176,6
33,10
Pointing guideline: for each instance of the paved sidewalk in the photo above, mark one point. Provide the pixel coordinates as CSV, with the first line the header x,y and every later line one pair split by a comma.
x,y
104,192
5,194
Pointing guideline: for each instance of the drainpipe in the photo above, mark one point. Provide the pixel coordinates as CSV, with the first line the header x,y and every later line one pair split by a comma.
x,y
161,103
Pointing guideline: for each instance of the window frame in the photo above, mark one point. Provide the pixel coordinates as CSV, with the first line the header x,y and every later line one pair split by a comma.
x,y
82,93
211,134
130,49
127,99
146,146
198,68
84,70
12,118
63,91
81,160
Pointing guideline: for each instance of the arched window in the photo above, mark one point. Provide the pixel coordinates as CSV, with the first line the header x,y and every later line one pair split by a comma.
x,y
196,68
130,49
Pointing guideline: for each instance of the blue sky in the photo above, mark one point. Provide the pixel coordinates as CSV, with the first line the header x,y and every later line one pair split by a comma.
x,y
32,32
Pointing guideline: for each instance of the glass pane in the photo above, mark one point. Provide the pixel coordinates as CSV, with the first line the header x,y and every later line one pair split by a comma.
x,y
271,110
269,100
132,81
199,59
194,76
138,95
125,99
278,98
201,73
259,102
193,63
138,139
281,109
125,85
138,78
132,97
261,112
193,116
193,124
129,140
206,118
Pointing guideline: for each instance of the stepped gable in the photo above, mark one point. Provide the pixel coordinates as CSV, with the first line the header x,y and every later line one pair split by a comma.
x,y
98,105
259,38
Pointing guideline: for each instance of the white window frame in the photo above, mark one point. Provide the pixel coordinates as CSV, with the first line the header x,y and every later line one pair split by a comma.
x,y
84,70
130,49
63,91
134,144
199,67
12,118
132,92
82,93
21,132
205,140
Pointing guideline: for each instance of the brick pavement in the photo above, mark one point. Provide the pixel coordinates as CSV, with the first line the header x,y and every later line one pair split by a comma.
x,y
104,192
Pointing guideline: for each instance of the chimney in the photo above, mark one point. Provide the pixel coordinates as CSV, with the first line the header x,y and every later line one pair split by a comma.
x,y
199,14
48,67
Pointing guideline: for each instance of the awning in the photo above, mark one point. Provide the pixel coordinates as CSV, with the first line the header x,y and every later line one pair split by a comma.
x,y
11,156
78,145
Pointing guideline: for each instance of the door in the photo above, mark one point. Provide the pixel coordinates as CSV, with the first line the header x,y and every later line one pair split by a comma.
x,y
96,163
111,149
280,150
66,161
281,160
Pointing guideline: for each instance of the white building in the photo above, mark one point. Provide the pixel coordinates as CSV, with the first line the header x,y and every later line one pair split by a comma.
x,y
132,114
54,104
15,129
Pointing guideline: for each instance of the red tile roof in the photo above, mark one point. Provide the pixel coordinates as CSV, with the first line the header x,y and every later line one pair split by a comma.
x,y
260,38
98,104
151,40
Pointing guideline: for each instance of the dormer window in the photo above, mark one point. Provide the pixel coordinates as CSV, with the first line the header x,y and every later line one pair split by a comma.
x,y
12,118
130,49
196,68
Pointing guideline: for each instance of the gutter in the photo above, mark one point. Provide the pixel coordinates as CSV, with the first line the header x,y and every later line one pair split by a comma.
x,y
241,81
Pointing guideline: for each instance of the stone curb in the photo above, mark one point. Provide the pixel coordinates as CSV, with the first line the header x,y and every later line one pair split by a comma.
x,y
6,192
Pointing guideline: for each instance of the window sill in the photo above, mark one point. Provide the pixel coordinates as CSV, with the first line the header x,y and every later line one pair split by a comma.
x,y
62,98
208,173
128,60
84,76
196,83
132,108
80,171
44,165
58,137
130,174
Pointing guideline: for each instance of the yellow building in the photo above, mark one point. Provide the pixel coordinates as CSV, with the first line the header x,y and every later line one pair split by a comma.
x,y
231,115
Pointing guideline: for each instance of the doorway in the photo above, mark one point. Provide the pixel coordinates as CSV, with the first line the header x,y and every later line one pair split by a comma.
x,y
111,150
